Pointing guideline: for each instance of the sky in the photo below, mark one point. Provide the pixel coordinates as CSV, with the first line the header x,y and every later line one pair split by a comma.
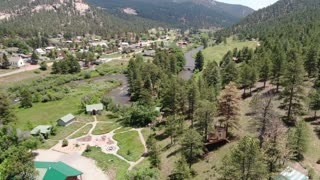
x,y
254,4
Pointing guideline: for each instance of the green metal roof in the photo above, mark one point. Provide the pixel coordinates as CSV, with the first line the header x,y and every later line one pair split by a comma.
x,y
291,174
57,170
97,107
42,129
67,118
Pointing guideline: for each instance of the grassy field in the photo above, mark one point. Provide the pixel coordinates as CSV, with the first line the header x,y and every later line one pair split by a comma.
x,y
104,128
115,167
123,129
130,145
63,132
216,53
83,131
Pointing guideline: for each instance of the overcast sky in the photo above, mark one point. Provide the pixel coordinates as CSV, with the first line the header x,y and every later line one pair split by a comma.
x,y
255,4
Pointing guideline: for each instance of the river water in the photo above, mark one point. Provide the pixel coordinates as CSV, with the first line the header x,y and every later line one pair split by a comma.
x,y
120,95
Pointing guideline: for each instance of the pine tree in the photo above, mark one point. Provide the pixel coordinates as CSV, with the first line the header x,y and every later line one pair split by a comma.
x,y
311,63
204,117
245,76
211,74
199,62
265,71
229,73
278,67
5,63
181,170
192,147
293,87
298,140
6,112
314,97
245,161
229,105
193,98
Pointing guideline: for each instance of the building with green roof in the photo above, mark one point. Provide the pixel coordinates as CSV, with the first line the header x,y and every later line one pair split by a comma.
x,y
94,109
56,171
65,120
291,174
41,129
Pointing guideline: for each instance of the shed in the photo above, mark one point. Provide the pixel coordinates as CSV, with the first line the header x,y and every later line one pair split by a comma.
x,y
94,109
291,174
41,129
56,171
65,120
40,51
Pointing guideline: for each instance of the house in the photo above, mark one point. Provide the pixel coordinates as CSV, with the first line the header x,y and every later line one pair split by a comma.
x,y
56,171
94,109
50,48
219,135
40,51
16,61
124,44
291,174
65,120
44,130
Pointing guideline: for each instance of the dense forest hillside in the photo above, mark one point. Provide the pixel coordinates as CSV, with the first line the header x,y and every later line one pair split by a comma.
x,y
27,18
182,13
285,15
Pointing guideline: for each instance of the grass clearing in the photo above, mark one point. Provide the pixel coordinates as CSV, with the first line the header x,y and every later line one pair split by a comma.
x,y
123,129
83,131
48,144
104,128
116,168
130,145
63,132
217,52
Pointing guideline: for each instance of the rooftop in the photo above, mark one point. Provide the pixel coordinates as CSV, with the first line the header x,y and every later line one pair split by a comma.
x,y
55,170
92,107
291,174
42,129
67,118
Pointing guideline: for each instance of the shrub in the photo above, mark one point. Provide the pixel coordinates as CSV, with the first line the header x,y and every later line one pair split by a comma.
x,y
37,71
88,148
65,143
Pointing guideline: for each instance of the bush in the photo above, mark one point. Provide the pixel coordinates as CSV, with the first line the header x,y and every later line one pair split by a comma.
x,y
65,143
88,148
37,71
87,75
43,66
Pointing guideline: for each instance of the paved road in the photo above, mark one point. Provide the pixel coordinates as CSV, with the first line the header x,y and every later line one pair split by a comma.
x,y
27,67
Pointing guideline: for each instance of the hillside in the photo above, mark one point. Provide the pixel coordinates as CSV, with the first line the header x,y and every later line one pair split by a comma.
x,y
285,14
182,13
27,18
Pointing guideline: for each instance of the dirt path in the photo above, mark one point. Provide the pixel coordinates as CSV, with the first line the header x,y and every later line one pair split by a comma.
x,y
23,69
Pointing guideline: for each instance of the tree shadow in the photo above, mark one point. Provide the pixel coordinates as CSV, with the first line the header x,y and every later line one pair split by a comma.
x,y
173,153
162,136
310,119
317,131
215,146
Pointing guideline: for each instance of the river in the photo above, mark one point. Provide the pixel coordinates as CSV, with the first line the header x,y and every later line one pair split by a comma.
x,y
120,95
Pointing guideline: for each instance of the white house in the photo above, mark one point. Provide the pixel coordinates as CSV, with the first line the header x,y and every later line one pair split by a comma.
x,y
16,61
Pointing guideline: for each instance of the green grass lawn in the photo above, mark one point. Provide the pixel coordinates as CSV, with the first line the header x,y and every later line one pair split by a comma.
x,y
48,144
130,145
123,129
116,168
114,55
63,132
83,131
104,128
216,53
46,113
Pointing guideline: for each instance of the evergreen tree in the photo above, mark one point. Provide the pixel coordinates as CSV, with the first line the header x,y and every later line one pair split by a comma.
x,y
34,56
181,170
204,118
5,63
265,71
211,74
229,73
298,140
193,99
6,112
26,99
245,161
278,67
245,77
293,87
192,147
199,62
311,63
229,106
315,101
154,152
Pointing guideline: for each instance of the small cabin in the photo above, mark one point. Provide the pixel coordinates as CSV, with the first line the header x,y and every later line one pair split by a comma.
x,y
66,120
94,109
219,135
